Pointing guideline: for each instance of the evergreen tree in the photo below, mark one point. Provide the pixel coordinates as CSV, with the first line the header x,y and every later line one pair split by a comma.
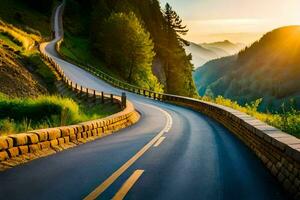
x,y
174,24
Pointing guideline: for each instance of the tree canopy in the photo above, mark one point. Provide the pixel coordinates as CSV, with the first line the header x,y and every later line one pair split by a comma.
x,y
127,46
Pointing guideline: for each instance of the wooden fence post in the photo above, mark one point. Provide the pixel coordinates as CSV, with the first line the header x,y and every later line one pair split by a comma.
x,y
94,95
111,98
123,103
102,97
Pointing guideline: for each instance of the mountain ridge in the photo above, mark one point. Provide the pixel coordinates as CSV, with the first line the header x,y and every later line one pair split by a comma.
x,y
267,69
204,52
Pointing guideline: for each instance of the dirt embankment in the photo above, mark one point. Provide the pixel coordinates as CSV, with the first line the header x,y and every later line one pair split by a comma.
x,y
15,79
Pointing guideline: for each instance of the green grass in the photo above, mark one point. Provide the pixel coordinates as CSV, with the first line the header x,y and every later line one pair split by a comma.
x,y
287,121
78,50
21,115
10,41
43,71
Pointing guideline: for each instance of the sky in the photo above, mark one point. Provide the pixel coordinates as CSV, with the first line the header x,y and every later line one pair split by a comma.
x,y
242,21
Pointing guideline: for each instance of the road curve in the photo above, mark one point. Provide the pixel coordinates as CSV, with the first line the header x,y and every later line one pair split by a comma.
x,y
171,153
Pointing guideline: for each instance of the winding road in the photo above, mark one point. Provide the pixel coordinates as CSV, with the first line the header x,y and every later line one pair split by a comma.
x,y
171,153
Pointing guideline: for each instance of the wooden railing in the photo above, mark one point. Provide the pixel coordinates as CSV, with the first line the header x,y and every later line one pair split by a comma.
x,y
81,90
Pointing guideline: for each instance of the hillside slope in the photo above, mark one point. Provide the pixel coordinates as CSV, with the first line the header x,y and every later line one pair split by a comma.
x,y
15,79
269,69
211,72
22,70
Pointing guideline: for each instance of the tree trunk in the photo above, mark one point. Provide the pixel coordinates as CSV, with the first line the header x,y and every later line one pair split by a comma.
x,y
130,70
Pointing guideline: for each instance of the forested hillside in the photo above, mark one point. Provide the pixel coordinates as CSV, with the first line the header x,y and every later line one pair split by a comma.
x,y
134,39
269,69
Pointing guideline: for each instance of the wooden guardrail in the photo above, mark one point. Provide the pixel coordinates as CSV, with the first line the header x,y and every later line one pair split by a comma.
x,y
104,97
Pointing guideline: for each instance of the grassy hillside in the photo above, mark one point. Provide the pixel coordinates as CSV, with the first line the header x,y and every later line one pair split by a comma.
x,y
23,25
21,115
22,71
269,69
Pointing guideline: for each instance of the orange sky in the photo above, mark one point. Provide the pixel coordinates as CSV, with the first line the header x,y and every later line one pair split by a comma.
x,y
236,20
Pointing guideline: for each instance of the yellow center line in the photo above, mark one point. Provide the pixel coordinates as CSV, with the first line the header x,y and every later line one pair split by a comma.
x,y
159,141
101,188
128,185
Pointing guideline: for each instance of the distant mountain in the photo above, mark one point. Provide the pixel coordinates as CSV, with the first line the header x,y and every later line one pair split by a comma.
x,y
228,47
205,52
269,69
200,54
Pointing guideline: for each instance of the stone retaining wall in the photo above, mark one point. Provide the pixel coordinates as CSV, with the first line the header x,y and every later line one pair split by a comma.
x,y
20,148
280,152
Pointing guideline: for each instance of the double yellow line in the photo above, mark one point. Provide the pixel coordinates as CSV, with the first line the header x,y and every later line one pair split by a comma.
x,y
130,182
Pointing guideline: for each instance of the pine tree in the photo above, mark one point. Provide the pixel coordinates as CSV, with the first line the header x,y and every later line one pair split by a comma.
x,y
174,24
175,57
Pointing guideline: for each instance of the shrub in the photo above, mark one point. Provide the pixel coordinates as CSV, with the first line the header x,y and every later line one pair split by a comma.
x,y
287,121
6,126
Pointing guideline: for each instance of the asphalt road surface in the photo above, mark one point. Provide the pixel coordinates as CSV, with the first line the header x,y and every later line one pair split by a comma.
x,y
171,153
